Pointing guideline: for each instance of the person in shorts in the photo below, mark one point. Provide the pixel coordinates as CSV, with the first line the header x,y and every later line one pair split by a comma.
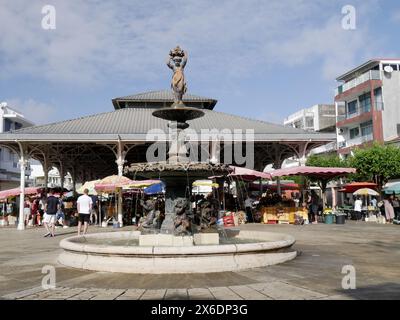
x,y
27,210
51,207
60,217
84,206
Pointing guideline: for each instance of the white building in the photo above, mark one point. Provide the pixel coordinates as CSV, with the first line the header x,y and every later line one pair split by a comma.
x,y
54,179
318,118
10,120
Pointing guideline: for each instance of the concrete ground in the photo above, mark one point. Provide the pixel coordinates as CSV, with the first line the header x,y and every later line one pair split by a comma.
x,y
323,250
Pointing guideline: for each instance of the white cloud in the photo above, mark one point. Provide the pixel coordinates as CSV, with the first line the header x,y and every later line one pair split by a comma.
x,y
37,112
99,41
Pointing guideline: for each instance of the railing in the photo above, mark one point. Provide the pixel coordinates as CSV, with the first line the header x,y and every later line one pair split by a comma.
x,y
355,141
358,112
331,146
369,75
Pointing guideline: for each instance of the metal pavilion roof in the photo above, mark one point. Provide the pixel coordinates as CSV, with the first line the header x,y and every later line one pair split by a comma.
x,y
162,96
132,124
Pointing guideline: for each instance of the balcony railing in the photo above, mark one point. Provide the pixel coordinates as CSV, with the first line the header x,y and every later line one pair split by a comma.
x,y
357,112
369,75
341,117
356,141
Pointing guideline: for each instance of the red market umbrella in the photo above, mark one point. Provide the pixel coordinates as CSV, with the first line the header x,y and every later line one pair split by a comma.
x,y
248,174
112,183
312,172
16,192
324,174
354,186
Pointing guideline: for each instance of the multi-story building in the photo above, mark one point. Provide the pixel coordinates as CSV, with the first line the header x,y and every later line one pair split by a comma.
x,y
318,118
10,119
370,94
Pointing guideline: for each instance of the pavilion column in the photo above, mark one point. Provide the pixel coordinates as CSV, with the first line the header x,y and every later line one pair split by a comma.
x,y
45,166
62,175
73,174
120,163
22,164
303,154
278,165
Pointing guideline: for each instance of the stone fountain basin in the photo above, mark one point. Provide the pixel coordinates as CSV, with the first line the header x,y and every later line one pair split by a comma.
x,y
267,249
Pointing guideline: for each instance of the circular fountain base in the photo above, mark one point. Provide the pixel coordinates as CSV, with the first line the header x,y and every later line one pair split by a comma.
x,y
120,252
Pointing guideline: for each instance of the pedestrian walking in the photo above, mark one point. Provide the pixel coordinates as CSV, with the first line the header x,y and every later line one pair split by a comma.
x,y
51,207
84,206
389,210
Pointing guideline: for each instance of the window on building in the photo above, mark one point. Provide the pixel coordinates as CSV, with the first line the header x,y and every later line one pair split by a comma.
x,y
378,99
352,107
365,102
394,66
18,125
366,128
354,132
309,122
298,124
7,125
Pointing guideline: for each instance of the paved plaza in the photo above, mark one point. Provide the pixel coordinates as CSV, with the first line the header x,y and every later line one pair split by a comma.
x,y
373,249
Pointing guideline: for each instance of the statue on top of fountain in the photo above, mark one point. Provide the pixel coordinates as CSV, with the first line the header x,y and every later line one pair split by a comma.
x,y
176,61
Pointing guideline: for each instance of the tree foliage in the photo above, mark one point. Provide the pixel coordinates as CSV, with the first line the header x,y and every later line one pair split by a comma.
x,y
331,161
378,163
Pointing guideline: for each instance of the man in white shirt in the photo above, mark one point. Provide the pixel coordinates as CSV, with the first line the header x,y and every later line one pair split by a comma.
x,y
358,208
84,206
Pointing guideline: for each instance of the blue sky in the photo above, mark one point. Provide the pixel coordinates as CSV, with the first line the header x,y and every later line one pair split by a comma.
x,y
260,59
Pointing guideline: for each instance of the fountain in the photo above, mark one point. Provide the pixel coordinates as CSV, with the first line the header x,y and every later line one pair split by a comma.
x,y
177,243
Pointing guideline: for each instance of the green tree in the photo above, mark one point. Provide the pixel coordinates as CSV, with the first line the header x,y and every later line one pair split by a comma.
x,y
331,161
378,163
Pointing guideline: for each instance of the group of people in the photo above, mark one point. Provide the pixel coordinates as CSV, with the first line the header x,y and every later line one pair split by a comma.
x,y
53,205
35,212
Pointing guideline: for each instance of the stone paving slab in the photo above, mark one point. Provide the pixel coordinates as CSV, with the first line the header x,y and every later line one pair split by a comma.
x,y
109,294
200,294
86,294
153,294
176,294
23,293
131,294
282,291
248,293
224,293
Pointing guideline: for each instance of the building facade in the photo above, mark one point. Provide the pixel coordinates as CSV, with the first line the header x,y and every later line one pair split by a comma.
x,y
10,120
370,94
318,118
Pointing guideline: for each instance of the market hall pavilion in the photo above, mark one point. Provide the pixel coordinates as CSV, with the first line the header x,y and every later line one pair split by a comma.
x,y
99,145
